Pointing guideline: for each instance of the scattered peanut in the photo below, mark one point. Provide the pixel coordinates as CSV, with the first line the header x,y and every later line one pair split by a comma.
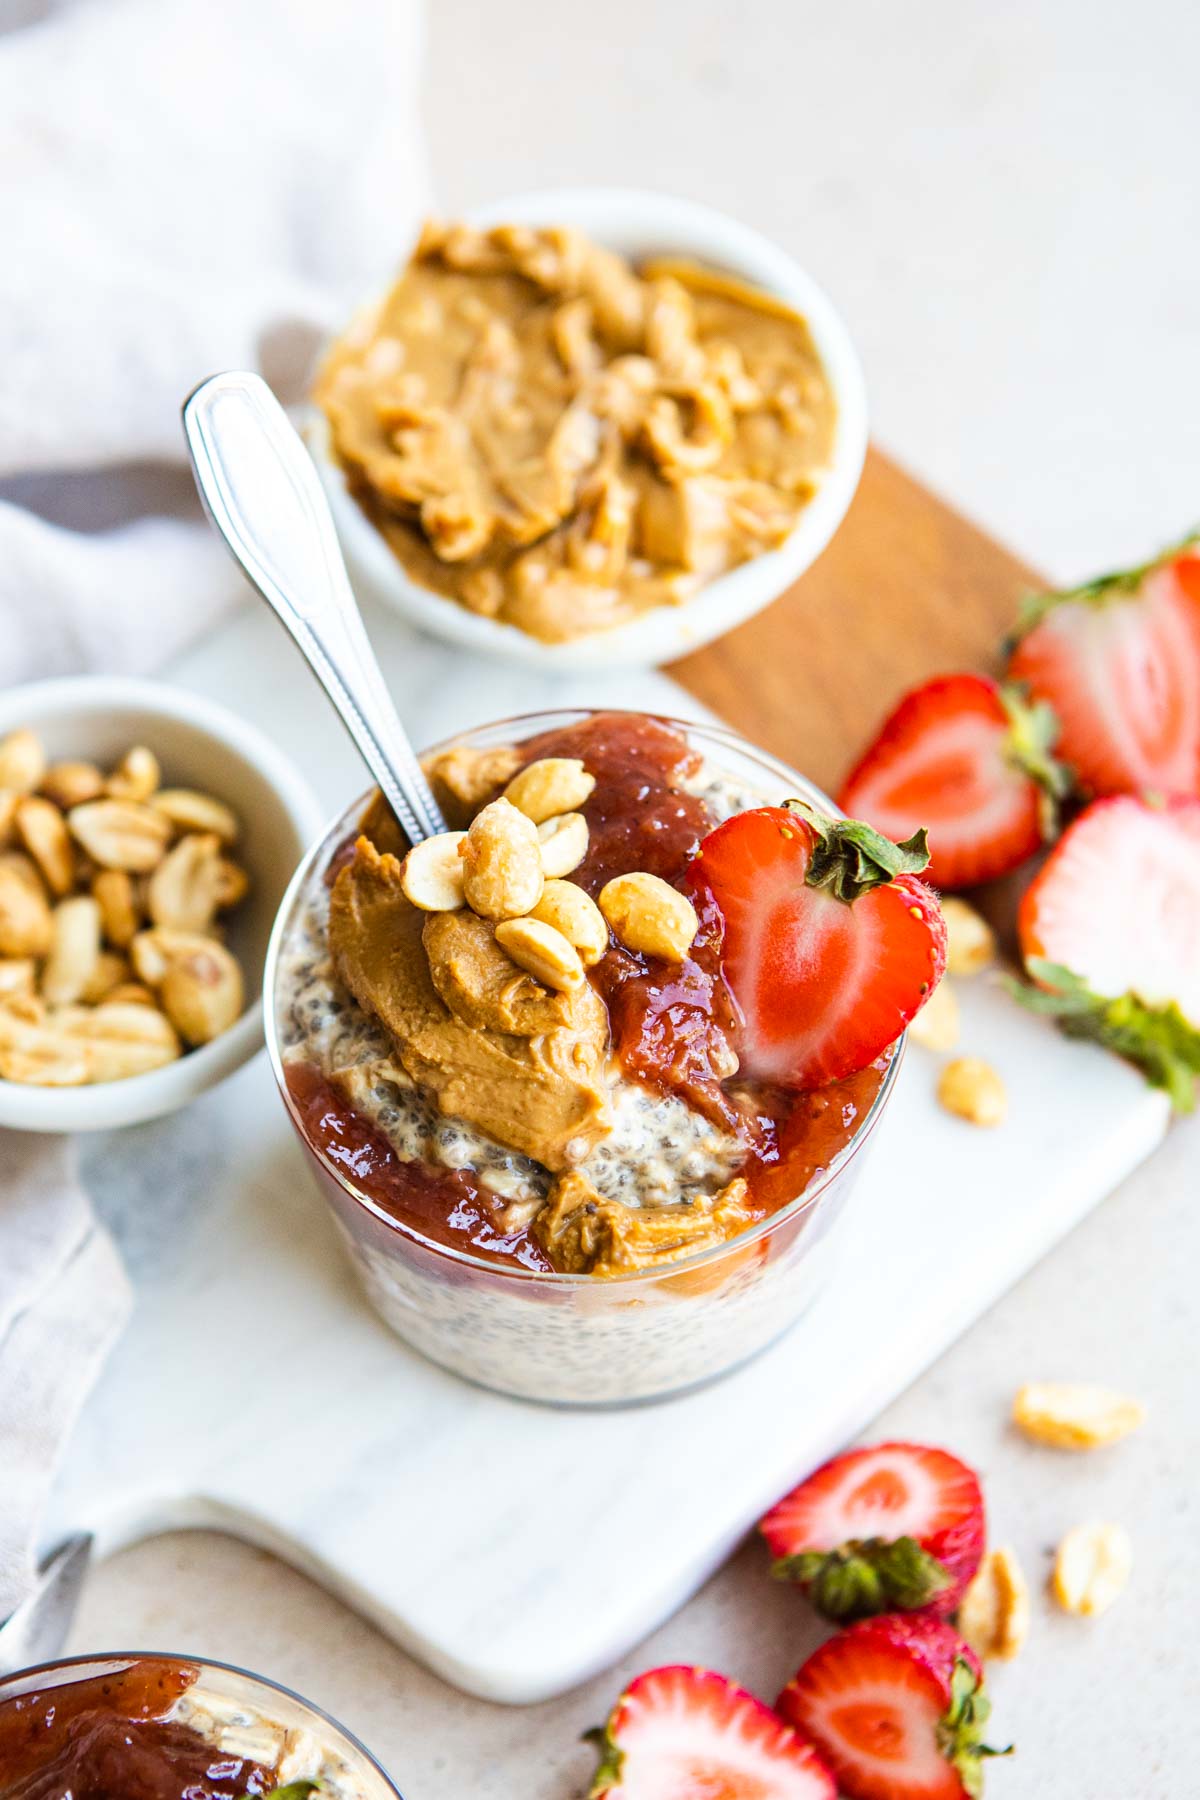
x,y
573,912
555,784
202,993
114,893
110,973
542,952
972,1090
188,810
994,1613
25,924
22,762
121,834
936,1026
42,830
1093,1565
75,951
136,776
182,895
1075,1415
433,873
563,842
648,915
502,864
971,944
70,784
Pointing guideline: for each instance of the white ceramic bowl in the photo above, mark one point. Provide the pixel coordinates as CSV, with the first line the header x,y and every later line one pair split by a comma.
x,y
639,224
201,745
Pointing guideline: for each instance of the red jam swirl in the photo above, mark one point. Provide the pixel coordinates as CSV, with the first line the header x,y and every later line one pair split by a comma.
x,y
108,1738
674,1026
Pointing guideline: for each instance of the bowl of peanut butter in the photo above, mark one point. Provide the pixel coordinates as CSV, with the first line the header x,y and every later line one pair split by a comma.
x,y
589,427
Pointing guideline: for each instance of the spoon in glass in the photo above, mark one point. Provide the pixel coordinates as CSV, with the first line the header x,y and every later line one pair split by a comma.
x,y
264,498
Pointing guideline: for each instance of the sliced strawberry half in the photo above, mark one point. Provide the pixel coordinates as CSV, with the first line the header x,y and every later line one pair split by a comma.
x,y
830,944
1110,932
1119,661
899,1527
896,1706
678,1733
970,761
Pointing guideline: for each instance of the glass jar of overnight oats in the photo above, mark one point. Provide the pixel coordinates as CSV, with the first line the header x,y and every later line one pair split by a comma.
x,y
154,1727
436,1215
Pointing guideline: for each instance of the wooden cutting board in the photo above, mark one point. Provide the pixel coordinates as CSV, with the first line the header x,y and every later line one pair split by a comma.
x,y
907,589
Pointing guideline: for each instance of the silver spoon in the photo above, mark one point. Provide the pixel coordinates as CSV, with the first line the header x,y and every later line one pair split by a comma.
x,y
37,1630
265,499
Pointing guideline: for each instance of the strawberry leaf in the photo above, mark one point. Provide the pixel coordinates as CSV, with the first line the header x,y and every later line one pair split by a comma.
x,y
1118,584
961,1726
1033,732
850,857
294,1790
865,1576
611,1759
1158,1039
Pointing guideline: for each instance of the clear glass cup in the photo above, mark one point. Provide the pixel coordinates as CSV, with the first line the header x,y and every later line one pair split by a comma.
x,y
576,1339
242,1716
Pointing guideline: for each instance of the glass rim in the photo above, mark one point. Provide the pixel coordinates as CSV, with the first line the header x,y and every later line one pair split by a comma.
x,y
795,1208
104,1658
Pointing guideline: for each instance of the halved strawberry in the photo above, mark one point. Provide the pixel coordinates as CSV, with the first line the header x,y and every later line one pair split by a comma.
x,y
896,1706
1119,661
899,1527
972,762
1110,932
830,945
679,1732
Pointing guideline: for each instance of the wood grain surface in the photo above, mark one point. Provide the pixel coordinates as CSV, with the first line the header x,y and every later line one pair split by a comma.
x,y
907,589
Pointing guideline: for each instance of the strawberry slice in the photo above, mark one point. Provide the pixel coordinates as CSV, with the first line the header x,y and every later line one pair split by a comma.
x,y
899,1527
972,762
679,1732
1110,932
896,1706
830,945
1119,661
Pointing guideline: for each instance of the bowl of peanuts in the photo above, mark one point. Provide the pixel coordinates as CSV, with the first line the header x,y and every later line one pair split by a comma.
x,y
146,839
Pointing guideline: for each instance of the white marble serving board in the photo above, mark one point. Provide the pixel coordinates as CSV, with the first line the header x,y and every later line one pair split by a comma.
x,y
254,1390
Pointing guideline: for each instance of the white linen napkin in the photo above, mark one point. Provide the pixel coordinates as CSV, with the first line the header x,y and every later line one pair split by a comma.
x,y
189,185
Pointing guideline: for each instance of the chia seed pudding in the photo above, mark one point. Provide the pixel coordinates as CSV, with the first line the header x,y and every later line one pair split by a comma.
x,y
446,1224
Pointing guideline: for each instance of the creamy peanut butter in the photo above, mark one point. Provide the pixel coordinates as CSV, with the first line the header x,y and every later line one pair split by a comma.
x,y
552,438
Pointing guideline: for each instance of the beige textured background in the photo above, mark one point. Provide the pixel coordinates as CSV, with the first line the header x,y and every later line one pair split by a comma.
x,y
1006,202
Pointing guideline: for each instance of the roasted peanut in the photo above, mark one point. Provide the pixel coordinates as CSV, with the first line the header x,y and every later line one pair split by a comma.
x,y
70,784
432,875
18,976
648,915
9,801
233,884
972,1090
542,952
202,993
119,1039
119,912
502,863
189,810
182,895
563,841
26,928
121,834
994,1613
936,1026
22,762
43,831
553,785
136,776
1092,1567
131,993
74,952
38,1054
971,942
153,950
573,912
1075,1415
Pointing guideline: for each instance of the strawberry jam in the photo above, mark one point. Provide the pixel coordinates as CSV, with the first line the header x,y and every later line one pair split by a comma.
x,y
109,1738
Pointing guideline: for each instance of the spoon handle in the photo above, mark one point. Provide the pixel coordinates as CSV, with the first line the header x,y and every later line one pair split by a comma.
x,y
264,497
